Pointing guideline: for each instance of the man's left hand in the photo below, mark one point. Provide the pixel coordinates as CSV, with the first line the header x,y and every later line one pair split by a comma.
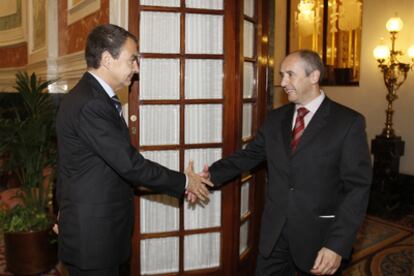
x,y
327,262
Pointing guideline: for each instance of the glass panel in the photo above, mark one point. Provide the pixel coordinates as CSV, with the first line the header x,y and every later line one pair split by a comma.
x,y
248,80
159,32
159,213
201,157
249,8
203,79
204,34
159,255
344,40
306,25
159,124
198,216
159,79
203,4
248,39
244,237
341,48
244,198
203,123
165,3
201,251
167,158
247,119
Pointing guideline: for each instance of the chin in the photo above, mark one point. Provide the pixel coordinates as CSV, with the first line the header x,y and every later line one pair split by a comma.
x,y
292,98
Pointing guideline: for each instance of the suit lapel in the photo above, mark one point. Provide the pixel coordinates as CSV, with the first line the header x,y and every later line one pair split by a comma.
x,y
100,92
315,125
287,128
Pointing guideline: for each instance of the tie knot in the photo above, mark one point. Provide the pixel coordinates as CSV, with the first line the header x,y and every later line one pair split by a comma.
x,y
117,104
116,99
302,111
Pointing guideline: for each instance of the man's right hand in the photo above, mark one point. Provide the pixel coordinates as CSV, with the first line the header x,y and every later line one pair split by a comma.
x,y
192,198
196,188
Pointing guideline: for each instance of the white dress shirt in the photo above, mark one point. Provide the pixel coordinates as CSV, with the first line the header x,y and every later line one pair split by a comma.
x,y
311,106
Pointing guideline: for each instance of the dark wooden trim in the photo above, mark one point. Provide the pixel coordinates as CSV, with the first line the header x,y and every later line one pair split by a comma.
x,y
181,100
181,9
250,19
178,56
288,11
179,232
232,125
325,31
133,19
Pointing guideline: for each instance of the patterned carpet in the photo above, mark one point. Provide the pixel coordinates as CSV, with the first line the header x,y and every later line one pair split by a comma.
x,y
382,248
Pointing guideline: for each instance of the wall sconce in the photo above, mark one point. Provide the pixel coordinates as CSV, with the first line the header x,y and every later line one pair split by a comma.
x,y
394,71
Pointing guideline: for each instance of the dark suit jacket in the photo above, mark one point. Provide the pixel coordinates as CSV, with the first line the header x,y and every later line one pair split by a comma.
x,y
97,166
329,174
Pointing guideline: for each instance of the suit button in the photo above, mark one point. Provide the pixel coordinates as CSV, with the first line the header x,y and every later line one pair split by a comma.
x,y
291,189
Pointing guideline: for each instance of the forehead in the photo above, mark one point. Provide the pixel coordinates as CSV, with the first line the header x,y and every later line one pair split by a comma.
x,y
292,63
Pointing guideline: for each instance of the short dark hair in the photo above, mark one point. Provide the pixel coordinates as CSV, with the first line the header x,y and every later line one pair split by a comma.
x,y
103,38
312,62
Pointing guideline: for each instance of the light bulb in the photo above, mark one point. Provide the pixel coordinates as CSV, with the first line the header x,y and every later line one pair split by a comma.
x,y
410,52
381,52
394,24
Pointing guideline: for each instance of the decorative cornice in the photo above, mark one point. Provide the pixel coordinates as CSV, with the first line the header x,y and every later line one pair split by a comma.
x,y
7,78
71,67
15,35
68,69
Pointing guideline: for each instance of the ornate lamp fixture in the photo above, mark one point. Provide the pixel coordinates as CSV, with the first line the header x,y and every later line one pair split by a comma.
x,y
394,71
387,148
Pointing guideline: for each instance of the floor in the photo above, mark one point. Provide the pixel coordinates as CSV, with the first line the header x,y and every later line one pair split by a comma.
x,y
383,247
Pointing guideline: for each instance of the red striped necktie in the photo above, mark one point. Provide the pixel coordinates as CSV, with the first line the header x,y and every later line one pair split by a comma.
x,y
299,127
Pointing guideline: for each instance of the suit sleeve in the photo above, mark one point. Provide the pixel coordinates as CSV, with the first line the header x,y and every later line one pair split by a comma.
x,y
355,175
240,161
101,132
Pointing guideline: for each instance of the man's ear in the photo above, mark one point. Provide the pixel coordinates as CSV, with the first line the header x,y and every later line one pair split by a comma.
x,y
106,59
315,76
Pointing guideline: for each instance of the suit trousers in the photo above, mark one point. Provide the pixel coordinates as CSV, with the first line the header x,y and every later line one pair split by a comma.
x,y
75,271
280,261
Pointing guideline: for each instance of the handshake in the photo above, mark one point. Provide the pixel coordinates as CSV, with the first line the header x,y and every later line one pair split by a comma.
x,y
197,183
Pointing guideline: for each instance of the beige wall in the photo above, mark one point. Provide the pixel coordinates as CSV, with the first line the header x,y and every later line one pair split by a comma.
x,y
369,97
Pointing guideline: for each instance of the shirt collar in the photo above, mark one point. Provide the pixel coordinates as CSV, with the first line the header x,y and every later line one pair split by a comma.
x,y
313,105
104,85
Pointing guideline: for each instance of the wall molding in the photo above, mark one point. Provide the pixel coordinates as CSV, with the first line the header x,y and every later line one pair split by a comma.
x,y
70,68
16,35
7,78
82,9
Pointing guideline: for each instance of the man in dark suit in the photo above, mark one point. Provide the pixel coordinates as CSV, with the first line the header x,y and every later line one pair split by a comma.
x,y
319,175
98,166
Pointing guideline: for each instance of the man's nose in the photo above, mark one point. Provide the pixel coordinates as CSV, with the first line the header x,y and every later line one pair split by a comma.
x,y
283,82
135,67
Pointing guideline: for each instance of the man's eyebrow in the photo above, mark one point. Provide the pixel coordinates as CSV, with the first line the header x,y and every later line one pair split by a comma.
x,y
135,57
289,72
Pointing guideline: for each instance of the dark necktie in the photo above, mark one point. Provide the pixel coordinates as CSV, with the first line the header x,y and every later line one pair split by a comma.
x,y
117,103
299,127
